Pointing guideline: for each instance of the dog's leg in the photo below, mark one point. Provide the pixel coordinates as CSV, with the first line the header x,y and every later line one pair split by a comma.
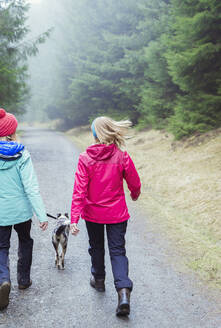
x,y
64,248
55,244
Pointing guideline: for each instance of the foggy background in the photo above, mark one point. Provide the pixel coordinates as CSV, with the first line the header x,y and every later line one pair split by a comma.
x,y
154,62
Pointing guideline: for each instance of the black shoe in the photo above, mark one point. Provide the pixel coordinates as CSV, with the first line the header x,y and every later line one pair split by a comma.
x,y
25,286
5,288
98,284
123,307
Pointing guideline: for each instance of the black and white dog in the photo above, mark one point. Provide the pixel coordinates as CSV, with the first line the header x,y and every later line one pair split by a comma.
x,y
60,237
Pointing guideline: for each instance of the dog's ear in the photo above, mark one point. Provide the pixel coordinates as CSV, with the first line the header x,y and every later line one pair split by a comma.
x,y
66,214
59,214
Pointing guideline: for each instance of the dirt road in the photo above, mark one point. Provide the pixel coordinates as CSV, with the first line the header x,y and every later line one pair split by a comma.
x,y
163,297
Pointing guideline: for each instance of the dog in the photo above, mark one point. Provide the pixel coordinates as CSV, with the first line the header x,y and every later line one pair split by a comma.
x,y
60,237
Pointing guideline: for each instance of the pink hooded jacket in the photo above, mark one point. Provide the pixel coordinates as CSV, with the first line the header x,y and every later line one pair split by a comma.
x,y
98,194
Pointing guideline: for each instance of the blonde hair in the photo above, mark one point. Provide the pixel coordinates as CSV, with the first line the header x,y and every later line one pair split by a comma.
x,y
109,131
12,137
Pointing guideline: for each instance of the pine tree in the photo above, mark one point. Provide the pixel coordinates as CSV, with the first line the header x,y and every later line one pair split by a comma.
x,y
194,60
14,51
103,33
158,92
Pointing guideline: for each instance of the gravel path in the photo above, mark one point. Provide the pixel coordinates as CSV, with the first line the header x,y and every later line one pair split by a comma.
x,y
162,298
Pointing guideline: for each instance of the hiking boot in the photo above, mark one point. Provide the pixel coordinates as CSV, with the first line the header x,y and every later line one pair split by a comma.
x,y
123,307
98,284
5,288
25,286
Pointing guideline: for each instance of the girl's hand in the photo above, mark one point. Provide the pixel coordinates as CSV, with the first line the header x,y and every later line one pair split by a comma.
x,y
74,229
43,225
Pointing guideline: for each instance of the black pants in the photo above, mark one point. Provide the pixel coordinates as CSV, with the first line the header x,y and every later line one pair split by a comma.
x,y
116,244
25,247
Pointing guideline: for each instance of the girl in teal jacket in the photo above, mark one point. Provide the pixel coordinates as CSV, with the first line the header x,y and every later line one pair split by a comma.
x,y
19,196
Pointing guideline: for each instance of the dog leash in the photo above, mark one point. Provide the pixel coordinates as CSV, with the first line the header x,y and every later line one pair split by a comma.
x,y
51,216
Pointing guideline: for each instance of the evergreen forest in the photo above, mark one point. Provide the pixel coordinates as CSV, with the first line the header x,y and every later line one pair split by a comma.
x,y
156,62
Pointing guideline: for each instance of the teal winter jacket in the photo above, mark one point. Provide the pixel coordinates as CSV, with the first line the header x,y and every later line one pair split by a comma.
x,y
19,192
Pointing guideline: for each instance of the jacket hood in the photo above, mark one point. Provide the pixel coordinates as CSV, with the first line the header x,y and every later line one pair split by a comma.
x,y
100,152
9,153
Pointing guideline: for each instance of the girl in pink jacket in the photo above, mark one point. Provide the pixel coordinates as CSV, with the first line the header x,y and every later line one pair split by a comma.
x,y
99,198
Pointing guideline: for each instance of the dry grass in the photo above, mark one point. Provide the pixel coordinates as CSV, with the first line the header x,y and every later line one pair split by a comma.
x,y
181,192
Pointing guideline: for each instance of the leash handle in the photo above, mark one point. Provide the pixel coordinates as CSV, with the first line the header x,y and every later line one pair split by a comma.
x,y
51,216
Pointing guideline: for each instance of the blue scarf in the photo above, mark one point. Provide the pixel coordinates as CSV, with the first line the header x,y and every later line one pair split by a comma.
x,y
10,150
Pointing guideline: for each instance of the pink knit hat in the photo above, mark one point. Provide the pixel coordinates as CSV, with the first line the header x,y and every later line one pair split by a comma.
x,y
8,123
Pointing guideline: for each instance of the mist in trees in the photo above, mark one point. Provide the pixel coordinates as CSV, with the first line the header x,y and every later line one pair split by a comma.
x,y
154,61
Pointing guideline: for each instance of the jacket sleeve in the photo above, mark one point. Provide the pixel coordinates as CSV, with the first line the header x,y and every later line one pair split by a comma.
x,y
30,183
80,191
131,176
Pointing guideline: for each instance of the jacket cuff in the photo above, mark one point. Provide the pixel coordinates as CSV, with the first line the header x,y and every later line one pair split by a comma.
x,y
43,220
74,220
135,194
